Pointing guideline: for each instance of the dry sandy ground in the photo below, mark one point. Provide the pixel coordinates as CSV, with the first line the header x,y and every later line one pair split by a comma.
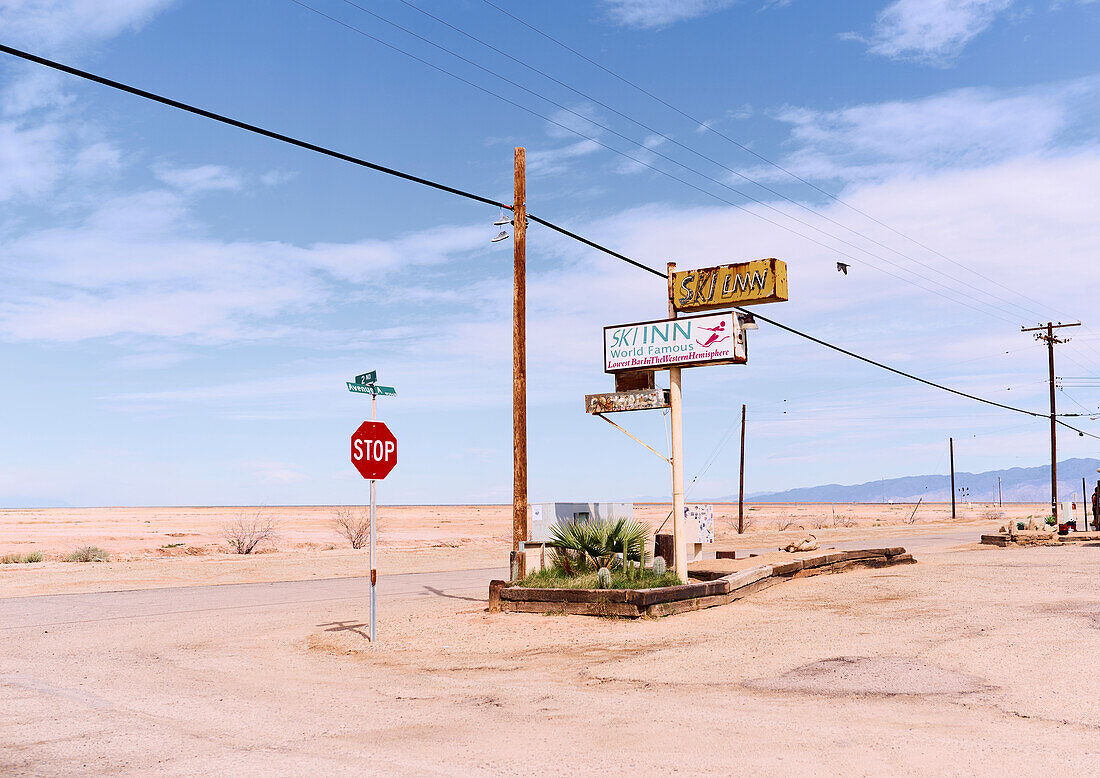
x,y
977,661
153,547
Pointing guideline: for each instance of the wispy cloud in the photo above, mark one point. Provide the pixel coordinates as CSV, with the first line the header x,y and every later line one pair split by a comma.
x,y
650,14
203,178
64,25
930,31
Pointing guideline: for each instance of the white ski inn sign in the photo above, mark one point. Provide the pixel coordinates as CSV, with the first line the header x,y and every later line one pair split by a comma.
x,y
711,339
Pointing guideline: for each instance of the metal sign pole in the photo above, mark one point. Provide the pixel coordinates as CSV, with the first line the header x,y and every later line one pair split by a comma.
x,y
679,552
373,533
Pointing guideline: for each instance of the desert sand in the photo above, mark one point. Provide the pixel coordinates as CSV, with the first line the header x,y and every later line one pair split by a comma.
x,y
976,661
181,546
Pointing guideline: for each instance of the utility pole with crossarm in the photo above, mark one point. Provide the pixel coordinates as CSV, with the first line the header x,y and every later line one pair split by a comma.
x,y
1045,333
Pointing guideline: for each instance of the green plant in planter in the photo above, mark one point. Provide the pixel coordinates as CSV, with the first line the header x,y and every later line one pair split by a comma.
x,y
589,544
1051,521
603,578
658,565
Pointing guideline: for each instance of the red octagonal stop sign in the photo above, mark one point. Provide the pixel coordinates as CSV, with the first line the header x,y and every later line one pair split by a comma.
x,y
373,450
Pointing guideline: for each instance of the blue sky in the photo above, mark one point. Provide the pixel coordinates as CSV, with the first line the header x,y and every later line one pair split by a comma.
x,y
181,302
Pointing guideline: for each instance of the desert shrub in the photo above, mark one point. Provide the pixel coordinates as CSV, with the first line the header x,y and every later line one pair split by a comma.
x,y
843,521
583,546
246,533
353,526
89,554
783,526
992,514
15,559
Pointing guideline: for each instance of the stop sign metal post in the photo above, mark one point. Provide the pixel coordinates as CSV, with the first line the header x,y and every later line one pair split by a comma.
x,y
374,455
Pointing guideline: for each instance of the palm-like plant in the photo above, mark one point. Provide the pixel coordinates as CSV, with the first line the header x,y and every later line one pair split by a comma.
x,y
595,543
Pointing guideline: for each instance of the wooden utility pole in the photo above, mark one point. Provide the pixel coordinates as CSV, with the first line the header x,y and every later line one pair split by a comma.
x,y
679,553
519,366
1000,498
951,443
1049,338
741,483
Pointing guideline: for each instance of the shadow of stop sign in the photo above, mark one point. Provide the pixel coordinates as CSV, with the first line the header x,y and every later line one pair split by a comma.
x,y
373,450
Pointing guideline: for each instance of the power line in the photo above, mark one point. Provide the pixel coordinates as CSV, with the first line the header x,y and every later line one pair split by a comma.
x,y
487,201
955,295
666,137
746,148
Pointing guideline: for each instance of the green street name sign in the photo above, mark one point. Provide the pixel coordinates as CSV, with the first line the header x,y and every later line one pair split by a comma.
x,y
381,391
367,378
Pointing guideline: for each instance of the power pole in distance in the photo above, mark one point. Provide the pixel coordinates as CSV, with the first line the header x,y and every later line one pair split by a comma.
x,y
1045,333
741,487
519,366
951,444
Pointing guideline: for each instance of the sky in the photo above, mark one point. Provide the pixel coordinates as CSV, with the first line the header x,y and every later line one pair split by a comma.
x,y
181,302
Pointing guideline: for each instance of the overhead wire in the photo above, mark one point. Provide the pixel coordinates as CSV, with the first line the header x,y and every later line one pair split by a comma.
x,y
666,137
955,294
179,105
708,127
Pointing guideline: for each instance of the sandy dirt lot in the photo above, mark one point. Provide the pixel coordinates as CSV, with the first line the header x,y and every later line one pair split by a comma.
x,y
976,661
152,547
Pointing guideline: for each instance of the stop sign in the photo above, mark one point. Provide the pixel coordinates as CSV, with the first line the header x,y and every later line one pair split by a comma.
x,y
373,450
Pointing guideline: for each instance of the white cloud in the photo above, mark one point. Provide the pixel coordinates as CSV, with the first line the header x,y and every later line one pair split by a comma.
x,y
964,127
204,178
30,159
648,14
931,31
64,25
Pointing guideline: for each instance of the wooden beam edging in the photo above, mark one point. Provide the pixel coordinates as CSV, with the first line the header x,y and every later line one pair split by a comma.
x,y
670,600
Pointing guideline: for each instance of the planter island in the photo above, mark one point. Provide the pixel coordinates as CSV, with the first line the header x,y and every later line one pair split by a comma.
x,y
716,582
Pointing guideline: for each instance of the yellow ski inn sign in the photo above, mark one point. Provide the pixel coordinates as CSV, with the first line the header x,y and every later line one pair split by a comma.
x,y
744,283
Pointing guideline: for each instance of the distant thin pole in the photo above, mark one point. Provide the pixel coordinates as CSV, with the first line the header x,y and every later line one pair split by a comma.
x,y
741,488
951,443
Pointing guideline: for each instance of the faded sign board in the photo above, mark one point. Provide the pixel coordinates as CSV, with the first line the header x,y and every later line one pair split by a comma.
x,y
636,400
743,283
709,339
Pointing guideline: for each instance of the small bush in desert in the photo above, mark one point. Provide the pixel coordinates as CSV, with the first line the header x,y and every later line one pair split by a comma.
x,y
353,526
89,554
247,532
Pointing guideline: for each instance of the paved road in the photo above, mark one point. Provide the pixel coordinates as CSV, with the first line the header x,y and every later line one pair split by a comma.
x,y
58,609
61,609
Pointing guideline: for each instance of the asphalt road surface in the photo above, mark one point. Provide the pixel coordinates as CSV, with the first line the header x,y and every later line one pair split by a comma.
x,y
64,609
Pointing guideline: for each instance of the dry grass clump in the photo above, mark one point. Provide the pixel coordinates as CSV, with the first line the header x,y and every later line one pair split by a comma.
x,y
89,554
246,533
15,559
353,526
789,524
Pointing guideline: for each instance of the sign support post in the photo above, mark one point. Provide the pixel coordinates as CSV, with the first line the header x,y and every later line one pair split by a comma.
x,y
677,444
374,460
373,522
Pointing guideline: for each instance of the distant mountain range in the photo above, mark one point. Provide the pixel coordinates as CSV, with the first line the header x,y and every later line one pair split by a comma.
x,y
1018,484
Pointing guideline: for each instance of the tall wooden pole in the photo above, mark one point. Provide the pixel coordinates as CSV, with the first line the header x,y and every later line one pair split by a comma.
x,y
951,443
519,365
741,482
1053,425
1046,332
679,553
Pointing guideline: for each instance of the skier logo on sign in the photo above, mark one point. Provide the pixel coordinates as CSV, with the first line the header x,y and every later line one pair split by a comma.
x,y
715,332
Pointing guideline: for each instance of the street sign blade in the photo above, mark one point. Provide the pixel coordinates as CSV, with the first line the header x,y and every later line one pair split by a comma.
x,y
367,378
385,391
361,388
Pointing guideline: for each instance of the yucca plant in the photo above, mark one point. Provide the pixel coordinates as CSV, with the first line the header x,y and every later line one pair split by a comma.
x,y
594,543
